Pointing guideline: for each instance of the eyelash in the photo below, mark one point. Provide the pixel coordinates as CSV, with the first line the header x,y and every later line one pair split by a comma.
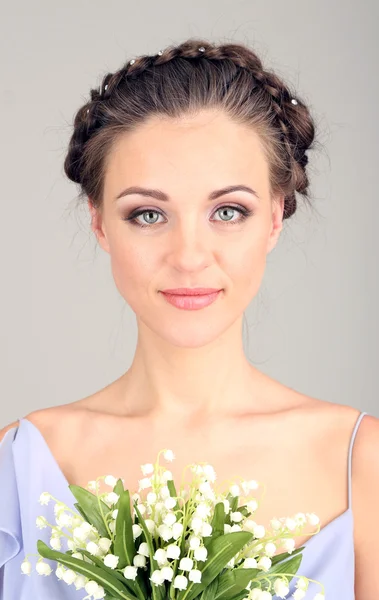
x,y
132,217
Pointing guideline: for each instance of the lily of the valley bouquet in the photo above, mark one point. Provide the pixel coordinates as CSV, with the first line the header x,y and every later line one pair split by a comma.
x,y
161,544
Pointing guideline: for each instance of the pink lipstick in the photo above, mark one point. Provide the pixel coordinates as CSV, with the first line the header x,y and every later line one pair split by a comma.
x,y
191,298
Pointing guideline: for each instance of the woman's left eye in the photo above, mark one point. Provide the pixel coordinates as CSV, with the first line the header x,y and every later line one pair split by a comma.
x,y
223,210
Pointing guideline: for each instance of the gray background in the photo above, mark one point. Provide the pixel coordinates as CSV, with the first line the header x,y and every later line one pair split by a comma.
x,y
66,332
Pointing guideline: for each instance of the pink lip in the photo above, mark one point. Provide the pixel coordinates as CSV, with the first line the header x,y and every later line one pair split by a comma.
x,y
191,301
190,291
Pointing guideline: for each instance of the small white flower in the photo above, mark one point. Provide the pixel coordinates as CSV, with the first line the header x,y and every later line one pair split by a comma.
x,y
164,492
150,524
93,485
195,575
264,563
231,563
313,519
130,572
78,555
79,582
288,544
139,560
26,567
301,519
180,582
206,530
69,576
235,527
169,519
112,526
64,520
196,524
161,555
147,469
151,498
265,596
236,516
275,524
298,594
111,498
144,483
252,505
165,531
59,507
173,551
110,480
170,503
157,577
226,506
197,469
169,455
250,563
270,549
142,508
290,524
137,530
186,564
234,490
194,542
136,497
44,498
281,589
91,587
143,549
167,476
177,530
111,560
99,593
302,583
210,473
115,513
93,548
167,573
55,543
227,528
259,531
41,522
203,510
200,553
43,568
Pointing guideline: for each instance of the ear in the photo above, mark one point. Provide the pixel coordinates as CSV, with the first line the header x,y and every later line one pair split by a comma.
x,y
276,222
97,226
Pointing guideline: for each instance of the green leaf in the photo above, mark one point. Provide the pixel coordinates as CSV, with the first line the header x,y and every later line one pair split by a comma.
x,y
234,581
109,583
220,551
158,592
284,555
89,504
218,520
80,511
287,566
210,591
129,583
173,494
124,546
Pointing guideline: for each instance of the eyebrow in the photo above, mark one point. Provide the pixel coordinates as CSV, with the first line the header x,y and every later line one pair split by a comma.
x,y
160,195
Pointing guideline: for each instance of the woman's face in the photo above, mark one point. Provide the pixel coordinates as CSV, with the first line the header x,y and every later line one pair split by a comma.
x,y
188,240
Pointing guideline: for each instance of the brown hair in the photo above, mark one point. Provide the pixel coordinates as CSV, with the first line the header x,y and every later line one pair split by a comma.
x,y
182,80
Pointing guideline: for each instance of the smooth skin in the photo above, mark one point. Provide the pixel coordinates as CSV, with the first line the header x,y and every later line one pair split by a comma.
x,y
190,386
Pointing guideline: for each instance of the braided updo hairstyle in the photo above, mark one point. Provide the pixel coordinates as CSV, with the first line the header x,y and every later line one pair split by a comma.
x,y
183,80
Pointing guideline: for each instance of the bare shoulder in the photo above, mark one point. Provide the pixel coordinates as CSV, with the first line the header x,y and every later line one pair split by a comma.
x,y
7,428
59,422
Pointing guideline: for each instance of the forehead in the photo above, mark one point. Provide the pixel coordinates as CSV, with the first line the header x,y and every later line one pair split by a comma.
x,y
208,146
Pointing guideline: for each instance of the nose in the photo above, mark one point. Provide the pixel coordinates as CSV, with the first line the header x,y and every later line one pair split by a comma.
x,y
189,246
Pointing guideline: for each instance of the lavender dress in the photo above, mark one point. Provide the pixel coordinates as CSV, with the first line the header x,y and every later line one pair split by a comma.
x,y
27,468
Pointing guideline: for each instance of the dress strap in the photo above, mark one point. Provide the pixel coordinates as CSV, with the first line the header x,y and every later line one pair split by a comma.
x,y
360,417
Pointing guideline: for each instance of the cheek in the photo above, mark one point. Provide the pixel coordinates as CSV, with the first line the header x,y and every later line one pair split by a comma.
x,y
132,270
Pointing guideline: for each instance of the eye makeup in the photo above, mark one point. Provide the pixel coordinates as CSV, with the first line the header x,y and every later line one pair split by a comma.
x,y
132,217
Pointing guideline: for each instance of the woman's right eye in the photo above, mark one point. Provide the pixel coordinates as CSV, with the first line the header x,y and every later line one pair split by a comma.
x,y
149,220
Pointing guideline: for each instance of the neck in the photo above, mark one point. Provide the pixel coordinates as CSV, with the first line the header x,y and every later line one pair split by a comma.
x,y
171,382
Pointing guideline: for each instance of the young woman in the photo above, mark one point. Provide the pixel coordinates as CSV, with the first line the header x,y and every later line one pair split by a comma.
x,y
190,160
